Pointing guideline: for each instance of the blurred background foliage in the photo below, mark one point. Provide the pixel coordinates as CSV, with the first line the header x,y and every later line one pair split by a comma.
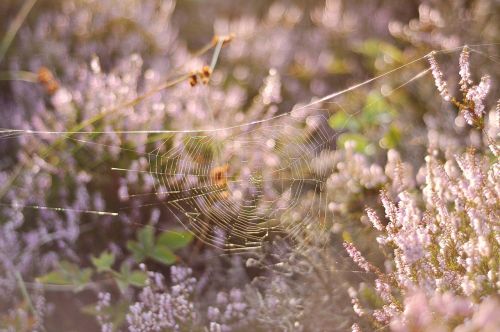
x,y
100,54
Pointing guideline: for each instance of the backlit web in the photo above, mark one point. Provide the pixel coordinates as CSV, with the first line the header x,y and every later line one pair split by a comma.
x,y
235,187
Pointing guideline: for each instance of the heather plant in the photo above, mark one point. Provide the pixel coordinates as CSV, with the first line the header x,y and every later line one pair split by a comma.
x,y
442,241
106,96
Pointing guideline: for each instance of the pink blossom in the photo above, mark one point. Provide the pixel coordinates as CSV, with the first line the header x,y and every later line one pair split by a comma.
x,y
441,84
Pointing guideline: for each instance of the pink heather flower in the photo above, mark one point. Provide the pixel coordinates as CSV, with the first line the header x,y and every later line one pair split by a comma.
x,y
441,84
444,312
485,318
383,290
417,314
104,300
385,314
355,328
357,257
356,305
158,309
390,207
449,305
478,93
464,72
372,216
413,243
468,117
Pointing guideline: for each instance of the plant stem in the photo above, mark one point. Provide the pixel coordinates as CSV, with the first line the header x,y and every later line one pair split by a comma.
x,y
15,26
26,296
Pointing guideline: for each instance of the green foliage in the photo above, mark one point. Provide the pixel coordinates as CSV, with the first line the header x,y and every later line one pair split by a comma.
x,y
68,274
376,113
175,239
391,138
160,249
341,121
346,236
127,277
104,262
373,48
361,142
163,255
339,66
144,244
371,297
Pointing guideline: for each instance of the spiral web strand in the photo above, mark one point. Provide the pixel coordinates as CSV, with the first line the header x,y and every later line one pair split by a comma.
x,y
232,188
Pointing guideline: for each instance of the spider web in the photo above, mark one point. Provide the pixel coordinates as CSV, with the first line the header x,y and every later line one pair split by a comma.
x,y
236,187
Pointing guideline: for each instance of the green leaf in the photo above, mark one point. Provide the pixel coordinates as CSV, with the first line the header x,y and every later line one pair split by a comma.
x,y
138,278
104,261
68,268
54,277
340,121
146,238
376,111
68,274
122,284
391,138
346,236
175,239
121,278
164,255
125,270
127,277
83,279
137,251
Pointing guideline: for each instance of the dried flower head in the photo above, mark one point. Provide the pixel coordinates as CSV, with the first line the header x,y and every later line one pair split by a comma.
x,y
193,79
46,78
205,74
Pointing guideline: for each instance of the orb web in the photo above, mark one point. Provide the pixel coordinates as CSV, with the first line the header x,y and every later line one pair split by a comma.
x,y
234,188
